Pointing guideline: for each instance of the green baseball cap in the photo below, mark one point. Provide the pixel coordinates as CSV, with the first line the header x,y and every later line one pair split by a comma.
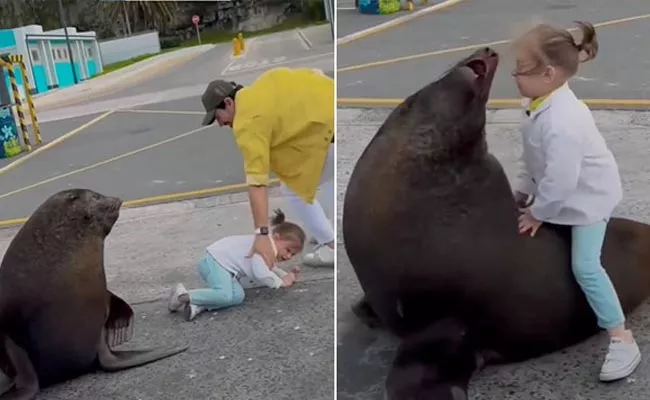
x,y
213,95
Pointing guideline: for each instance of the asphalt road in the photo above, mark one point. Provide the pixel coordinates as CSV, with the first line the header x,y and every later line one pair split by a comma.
x,y
284,48
349,21
277,345
618,72
364,356
203,159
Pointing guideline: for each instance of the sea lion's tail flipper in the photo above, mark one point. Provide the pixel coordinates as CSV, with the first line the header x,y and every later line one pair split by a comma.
x,y
436,363
22,372
119,323
112,360
366,314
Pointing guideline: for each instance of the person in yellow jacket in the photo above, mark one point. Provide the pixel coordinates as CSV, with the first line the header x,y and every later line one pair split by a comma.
x,y
283,123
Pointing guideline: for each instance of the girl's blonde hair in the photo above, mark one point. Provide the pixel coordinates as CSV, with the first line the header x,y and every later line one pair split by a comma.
x,y
287,230
557,47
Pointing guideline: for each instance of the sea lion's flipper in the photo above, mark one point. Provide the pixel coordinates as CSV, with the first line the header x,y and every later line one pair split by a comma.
x,y
111,360
24,376
119,323
436,363
366,314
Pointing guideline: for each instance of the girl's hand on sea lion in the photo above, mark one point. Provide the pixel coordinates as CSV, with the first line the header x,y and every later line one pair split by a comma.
x,y
528,223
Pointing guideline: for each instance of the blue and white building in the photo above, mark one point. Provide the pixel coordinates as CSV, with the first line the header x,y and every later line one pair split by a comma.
x,y
46,56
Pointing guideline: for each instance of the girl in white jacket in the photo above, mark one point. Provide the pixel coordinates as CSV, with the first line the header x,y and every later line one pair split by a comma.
x,y
571,173
227,269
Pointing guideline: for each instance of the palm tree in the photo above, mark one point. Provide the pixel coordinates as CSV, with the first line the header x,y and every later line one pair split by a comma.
x,y
146,14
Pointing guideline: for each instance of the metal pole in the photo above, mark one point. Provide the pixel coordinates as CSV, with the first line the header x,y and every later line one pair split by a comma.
x,y
67,40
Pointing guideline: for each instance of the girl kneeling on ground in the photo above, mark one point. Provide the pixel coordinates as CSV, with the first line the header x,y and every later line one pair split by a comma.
x,y
226,269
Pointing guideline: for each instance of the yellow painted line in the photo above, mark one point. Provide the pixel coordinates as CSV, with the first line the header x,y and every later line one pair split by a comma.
x,y
180,112
395,22
53,143
419,55
99,164
472,47
393,102
194,194
144,75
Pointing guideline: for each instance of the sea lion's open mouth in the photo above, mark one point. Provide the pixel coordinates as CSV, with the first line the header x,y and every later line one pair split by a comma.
x,y
479,67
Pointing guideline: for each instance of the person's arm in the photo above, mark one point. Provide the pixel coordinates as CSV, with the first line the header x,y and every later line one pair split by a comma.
x,y
263,275
253,137
259,201
563,152
279,272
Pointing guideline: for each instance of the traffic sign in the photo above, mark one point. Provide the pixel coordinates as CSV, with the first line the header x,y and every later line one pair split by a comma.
x,y
195,19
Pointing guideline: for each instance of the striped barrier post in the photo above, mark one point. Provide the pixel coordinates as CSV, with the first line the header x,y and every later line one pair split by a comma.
x,y
18,59
18,102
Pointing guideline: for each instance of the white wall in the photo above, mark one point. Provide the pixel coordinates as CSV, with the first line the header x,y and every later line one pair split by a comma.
x,y
114,50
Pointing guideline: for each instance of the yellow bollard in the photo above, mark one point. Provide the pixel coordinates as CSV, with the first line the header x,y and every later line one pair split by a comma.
x,y
409,5
236,47
242,45
36,130
19,105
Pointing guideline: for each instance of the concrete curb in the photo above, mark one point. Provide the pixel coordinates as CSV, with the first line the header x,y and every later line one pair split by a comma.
x,y
395,22
627,104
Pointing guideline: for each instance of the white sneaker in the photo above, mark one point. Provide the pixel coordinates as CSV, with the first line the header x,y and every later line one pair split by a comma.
x,y
174,303
621,360
321,256
191,311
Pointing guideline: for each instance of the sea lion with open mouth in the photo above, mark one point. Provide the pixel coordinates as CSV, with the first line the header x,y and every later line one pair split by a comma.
x,y
430,226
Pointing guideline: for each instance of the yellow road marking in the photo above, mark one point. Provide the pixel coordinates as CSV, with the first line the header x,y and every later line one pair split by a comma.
x,y
162,199
53,143
393,102
98,164
471,47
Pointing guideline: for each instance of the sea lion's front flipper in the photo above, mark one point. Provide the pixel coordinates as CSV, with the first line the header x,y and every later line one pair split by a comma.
x,y
111,360
119,323
366,314
436,363
23,374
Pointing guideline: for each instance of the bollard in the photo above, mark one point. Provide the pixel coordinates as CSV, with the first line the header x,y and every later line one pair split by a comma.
x,y
236,47
242,45
28,93
18,102
409,5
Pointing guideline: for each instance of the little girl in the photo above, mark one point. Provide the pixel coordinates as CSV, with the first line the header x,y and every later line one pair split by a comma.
x,y
571,173
227,269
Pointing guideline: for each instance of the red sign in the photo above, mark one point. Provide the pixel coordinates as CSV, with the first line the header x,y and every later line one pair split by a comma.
x,y
195,19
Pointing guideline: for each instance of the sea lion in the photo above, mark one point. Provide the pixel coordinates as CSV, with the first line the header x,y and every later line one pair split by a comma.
x,y
58,320
430,227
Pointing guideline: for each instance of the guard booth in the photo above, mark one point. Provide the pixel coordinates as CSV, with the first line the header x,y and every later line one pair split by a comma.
x,y
10,144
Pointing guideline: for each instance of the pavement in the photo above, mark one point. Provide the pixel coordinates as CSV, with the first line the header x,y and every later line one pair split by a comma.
x,y
431,43
364,356
145,140
277,344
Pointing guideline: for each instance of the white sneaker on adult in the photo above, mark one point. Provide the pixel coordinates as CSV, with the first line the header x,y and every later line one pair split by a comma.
x,y
621,360
174,303
321,256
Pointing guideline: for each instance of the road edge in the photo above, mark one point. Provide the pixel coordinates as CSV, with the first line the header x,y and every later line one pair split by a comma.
x,y
395,22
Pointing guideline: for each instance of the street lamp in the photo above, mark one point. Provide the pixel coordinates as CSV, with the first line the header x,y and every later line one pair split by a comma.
x,y
67,40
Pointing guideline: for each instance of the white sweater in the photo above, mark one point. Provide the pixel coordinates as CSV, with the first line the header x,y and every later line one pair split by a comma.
x,y
231,253
567,164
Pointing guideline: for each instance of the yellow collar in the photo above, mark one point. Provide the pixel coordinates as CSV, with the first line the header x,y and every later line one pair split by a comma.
x,y
534,105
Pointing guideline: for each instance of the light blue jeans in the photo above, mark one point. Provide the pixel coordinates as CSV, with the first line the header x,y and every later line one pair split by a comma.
x,y
586,246
223,289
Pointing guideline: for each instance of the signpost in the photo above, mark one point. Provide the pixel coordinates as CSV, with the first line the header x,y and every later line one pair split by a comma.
x,y
195,21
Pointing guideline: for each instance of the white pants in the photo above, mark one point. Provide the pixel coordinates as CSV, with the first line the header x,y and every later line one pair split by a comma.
x,y
312,216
